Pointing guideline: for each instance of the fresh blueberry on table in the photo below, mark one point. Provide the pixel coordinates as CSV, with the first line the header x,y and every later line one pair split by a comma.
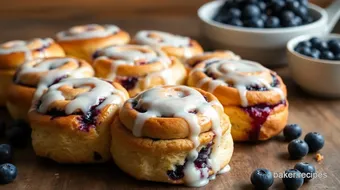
x,y
308,170
315,141
292,131
298,148
292,179
8,173
5,153
262,178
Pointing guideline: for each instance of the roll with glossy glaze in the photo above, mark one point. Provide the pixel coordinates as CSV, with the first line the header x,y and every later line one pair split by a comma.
x,y
254,97
71,120
173,134
14,53
39,74
83,40
173,45
138,67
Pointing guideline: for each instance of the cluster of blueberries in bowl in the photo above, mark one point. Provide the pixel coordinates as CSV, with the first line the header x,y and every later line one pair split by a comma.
x,y
320,49
264,13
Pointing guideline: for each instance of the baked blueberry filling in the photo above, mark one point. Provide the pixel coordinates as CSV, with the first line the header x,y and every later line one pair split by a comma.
x,y
200,163
95,55
128,82
259,114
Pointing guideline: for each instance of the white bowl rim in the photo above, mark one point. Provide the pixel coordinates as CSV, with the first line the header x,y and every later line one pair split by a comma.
x,y
294,41
320,21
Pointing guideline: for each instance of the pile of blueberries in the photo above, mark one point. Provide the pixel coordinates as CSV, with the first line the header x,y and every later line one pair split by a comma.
x,y
17,134
264,13
303,172
320,49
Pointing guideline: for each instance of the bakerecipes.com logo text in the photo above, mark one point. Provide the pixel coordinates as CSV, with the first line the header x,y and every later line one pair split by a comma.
x,y
300,175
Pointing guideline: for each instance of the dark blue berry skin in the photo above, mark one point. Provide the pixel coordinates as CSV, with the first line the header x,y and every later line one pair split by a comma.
x,y
315,141
222,18
307,169
303,2
251,11
255,23
6,153
292,5
8,173
262,5
234,13
277,5
264,17
304,51
301,11
304,44
262,178
337,57
297,149
308,19
315,42
292,131
315,53
272,22
287,15
235,22
334,46
292,179
323,46
328,55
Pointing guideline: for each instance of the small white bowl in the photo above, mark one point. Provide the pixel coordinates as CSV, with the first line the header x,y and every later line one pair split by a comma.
x,y
266,46
316,76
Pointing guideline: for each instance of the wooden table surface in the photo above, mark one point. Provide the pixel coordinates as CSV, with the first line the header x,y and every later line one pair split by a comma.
x,y
313,114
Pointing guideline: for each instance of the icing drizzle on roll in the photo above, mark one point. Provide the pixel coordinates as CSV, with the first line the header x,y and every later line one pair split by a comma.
x,y
27,47
159,39
178,101
99,89
131,55
237,73
87,31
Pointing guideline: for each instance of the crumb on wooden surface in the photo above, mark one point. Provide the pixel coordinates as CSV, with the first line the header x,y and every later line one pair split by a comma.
x,y
319,157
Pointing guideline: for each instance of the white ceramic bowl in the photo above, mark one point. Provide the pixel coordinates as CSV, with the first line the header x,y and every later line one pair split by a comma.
x,y
316,76
266,46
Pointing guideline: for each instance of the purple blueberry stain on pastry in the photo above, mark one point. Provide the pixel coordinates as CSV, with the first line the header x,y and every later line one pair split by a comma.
x,y
200,163
129,82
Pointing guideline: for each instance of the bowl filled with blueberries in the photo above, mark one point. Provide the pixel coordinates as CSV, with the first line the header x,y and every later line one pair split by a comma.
x,y
314,63
260,29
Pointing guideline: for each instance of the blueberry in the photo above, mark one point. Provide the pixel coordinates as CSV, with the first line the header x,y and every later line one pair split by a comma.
x,y
308,170
234,13
287,16
304,51
17,136
292,5
262,178
221,18
328,55
255,23
272,22
302,12
292,179
296,21
315,42
304,2
305,44
235,22
277,5
8,173
5,153
315,141
264,17
292,131
251,11
337,57
334,46
298,149
308,19
315,53
323,46
262,5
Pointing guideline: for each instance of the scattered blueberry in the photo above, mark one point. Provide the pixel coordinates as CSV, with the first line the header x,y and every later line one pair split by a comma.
x,y
8,173
315,141
262,178
292,179
306,169
292,131
5,153
298,148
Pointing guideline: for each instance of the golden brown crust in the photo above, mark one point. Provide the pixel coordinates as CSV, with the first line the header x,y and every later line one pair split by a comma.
x,y
85,48
62,137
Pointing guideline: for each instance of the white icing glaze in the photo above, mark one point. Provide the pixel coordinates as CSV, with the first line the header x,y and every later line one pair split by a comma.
x,y
25,46
226,169
178,101
129,54
84,102
87,31
233,70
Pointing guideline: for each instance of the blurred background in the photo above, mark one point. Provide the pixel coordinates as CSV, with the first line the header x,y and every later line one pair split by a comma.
x,y
22,19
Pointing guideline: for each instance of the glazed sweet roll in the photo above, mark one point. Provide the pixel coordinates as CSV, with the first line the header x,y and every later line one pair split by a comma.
x,y
82,41
173,134
174,45
14,53
138,67
41,73
253,96
71,120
